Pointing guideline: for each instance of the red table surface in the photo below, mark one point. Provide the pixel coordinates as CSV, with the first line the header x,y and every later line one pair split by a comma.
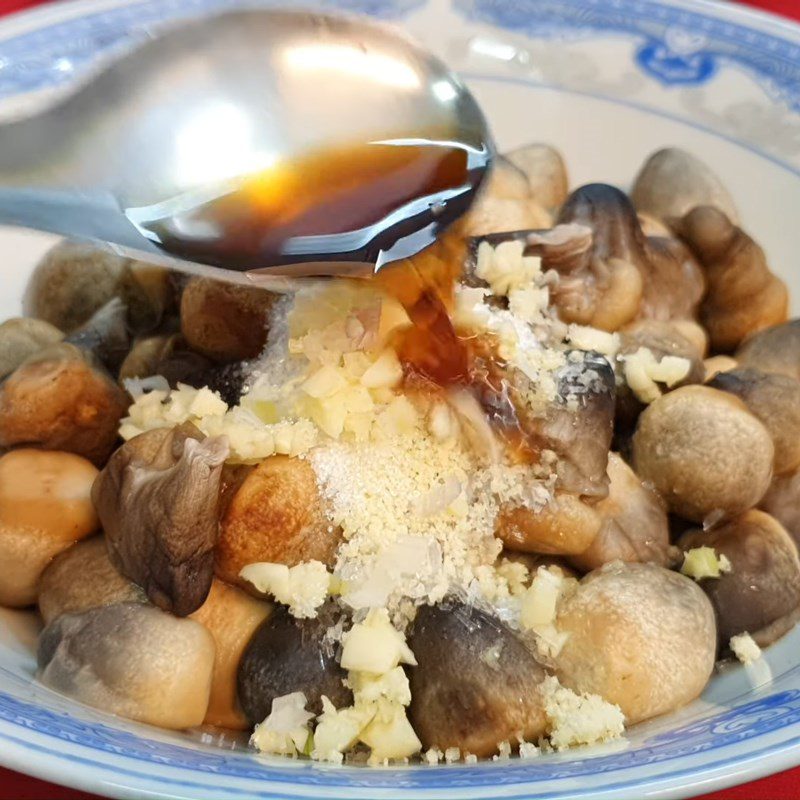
x,y
783,786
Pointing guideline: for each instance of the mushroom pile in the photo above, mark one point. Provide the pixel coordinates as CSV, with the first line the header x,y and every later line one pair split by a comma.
x,y
214,489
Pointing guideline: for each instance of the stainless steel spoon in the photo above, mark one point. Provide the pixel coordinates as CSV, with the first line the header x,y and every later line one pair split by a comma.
x,y
280,141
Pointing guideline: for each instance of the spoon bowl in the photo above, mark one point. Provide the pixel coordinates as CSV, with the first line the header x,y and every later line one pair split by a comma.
x,y
281,141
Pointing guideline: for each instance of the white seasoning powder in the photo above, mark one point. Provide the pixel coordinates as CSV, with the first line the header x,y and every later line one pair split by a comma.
x,y
398,541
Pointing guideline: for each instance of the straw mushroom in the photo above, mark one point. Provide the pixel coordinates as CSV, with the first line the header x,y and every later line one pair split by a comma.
x,y
493,699
81,578
773,399
225,322
760,594
634,523
276,516
45,507
743,295
775,350
704,452
22,337
288,655
58,401
672,182
157,499
640,636
133,660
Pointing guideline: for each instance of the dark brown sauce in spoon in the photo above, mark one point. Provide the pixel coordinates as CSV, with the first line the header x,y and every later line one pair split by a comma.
x,y
333,200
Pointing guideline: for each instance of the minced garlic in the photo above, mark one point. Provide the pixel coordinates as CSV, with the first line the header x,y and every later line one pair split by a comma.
x,y
643,373
575,719
505,268
251,439
539,609
303,587
372,653
594,340
745,648
703,562
285,731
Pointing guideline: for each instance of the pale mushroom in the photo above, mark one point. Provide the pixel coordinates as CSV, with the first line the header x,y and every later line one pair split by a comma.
x,y
232,617
634,523
45,507
490,214
640,636
672,182
704,452
133,660
565,526
81,578
22,337
546,172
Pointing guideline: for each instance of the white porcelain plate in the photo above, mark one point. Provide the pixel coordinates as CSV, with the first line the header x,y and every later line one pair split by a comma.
x,y
608,81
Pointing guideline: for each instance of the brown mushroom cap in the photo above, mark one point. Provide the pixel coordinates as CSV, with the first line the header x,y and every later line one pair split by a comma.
x,y
775,349
22,337
672,182
288,655
566,526
232,617
782,501
577,425
640,636
277,515
81,578
157,499
743,296
545,171
144,358
600,287
74,280
133,660
674,284
634,527
58,401
775,400
761,593
475,682
223,321
704,452
45,506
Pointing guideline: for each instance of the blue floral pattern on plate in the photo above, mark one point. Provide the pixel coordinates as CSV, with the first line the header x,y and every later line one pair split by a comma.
x,y
676,46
